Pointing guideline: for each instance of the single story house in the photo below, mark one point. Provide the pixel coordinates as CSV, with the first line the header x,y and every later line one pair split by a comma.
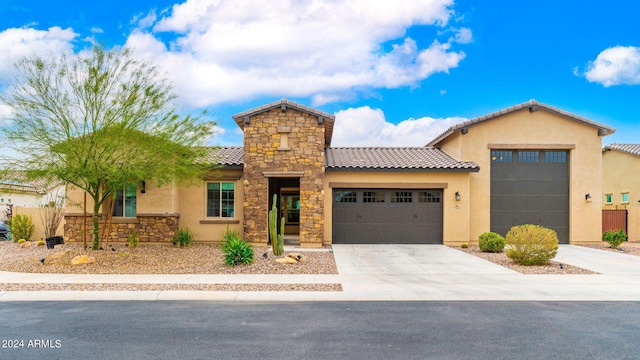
x,y
529,163
621,188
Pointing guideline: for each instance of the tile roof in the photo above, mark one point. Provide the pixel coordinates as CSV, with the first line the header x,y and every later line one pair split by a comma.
x,y
532,105
226,155
633,149
326,117
394,158
18,184
364,158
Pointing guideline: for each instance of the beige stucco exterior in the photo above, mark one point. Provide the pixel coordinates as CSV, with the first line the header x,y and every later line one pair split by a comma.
x,y
267,155
540,130
620,173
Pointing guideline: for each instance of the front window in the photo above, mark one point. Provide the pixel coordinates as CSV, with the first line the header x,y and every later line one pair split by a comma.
x,y
220,199
608,198
124,204
625,198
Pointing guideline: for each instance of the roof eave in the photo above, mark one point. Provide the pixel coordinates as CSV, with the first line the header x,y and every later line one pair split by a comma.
x,y
368,169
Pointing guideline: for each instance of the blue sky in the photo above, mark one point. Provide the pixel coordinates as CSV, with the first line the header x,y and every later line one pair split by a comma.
x,y
395,73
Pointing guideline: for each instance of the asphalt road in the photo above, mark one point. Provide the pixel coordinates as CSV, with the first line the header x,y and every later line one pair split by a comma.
x,y
326,330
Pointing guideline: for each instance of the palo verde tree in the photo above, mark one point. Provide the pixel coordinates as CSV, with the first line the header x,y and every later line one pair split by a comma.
x,y
98,120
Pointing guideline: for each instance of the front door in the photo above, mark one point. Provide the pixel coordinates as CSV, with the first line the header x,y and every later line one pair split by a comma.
x,y
290,210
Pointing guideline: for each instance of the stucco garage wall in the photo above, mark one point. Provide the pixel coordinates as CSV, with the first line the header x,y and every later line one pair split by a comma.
x,y
540,129
455,213
620,174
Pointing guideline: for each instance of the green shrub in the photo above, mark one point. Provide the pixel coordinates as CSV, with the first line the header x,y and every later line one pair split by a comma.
x,y
491,242
614,238
21,226
531,244
237,252
40,243
464,245
22,241
132,239
184,237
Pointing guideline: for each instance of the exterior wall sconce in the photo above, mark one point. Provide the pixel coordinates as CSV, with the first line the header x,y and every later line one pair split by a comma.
x,y
457,196
587,197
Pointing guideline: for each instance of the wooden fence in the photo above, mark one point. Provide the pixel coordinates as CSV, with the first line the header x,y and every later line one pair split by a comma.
x,y
613,220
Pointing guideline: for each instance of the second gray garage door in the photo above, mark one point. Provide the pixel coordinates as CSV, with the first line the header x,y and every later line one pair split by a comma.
x,y
387,216
530,187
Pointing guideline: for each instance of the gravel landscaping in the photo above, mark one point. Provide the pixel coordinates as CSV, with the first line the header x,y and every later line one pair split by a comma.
x,y
502,260
554,266
159,259
208,259
155,259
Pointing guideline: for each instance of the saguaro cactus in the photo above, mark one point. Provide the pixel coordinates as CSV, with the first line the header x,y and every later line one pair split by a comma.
x,y
277,241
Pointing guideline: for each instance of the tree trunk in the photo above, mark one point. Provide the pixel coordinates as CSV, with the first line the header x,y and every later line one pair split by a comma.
x,y
96,225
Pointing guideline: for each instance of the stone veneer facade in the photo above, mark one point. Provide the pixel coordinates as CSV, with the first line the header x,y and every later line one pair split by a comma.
x,y
151,228
287,143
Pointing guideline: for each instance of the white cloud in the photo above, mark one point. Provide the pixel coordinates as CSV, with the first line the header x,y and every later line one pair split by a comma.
x,y
464,36
618,65
6,112
226,50
365,126
17,42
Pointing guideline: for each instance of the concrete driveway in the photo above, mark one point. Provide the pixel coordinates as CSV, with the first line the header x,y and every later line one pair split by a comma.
x,y
437,272
393,259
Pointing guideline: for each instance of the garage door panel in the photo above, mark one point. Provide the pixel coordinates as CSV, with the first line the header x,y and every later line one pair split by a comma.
x,y
535,192
404,216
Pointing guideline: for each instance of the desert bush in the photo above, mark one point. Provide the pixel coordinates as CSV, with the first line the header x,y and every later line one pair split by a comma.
x,y
237,252
22,241
21,226
184,237
531,244
464,245
614,238
491,242
40,243
132,239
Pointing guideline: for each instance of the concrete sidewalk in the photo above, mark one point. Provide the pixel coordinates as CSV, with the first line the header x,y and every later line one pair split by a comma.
x,y
381,273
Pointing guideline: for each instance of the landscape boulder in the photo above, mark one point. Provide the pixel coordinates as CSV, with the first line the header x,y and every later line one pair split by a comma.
x,y
83,259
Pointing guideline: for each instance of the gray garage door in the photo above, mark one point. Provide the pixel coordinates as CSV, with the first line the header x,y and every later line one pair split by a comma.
x,y
387,216
530,187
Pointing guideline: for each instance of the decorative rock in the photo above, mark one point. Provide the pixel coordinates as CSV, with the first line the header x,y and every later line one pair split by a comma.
x,y
286,260
297,257
83,259
25,244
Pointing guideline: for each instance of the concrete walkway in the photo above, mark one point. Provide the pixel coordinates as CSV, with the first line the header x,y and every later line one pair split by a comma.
x,y
381,273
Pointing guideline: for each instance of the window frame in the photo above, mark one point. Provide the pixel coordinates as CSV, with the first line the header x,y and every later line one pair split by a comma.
x,y
608,198
221,200
123,191
622,197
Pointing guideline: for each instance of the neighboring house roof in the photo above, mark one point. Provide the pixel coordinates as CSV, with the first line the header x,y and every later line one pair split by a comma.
x,y
283,104
633,149
35,186
393,158
227,156
532,105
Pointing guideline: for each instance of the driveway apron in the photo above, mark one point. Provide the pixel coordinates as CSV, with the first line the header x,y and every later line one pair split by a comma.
x,y
394,259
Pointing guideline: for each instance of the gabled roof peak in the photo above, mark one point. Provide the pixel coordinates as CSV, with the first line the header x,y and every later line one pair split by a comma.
x,y
280,103
243,118
533,105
